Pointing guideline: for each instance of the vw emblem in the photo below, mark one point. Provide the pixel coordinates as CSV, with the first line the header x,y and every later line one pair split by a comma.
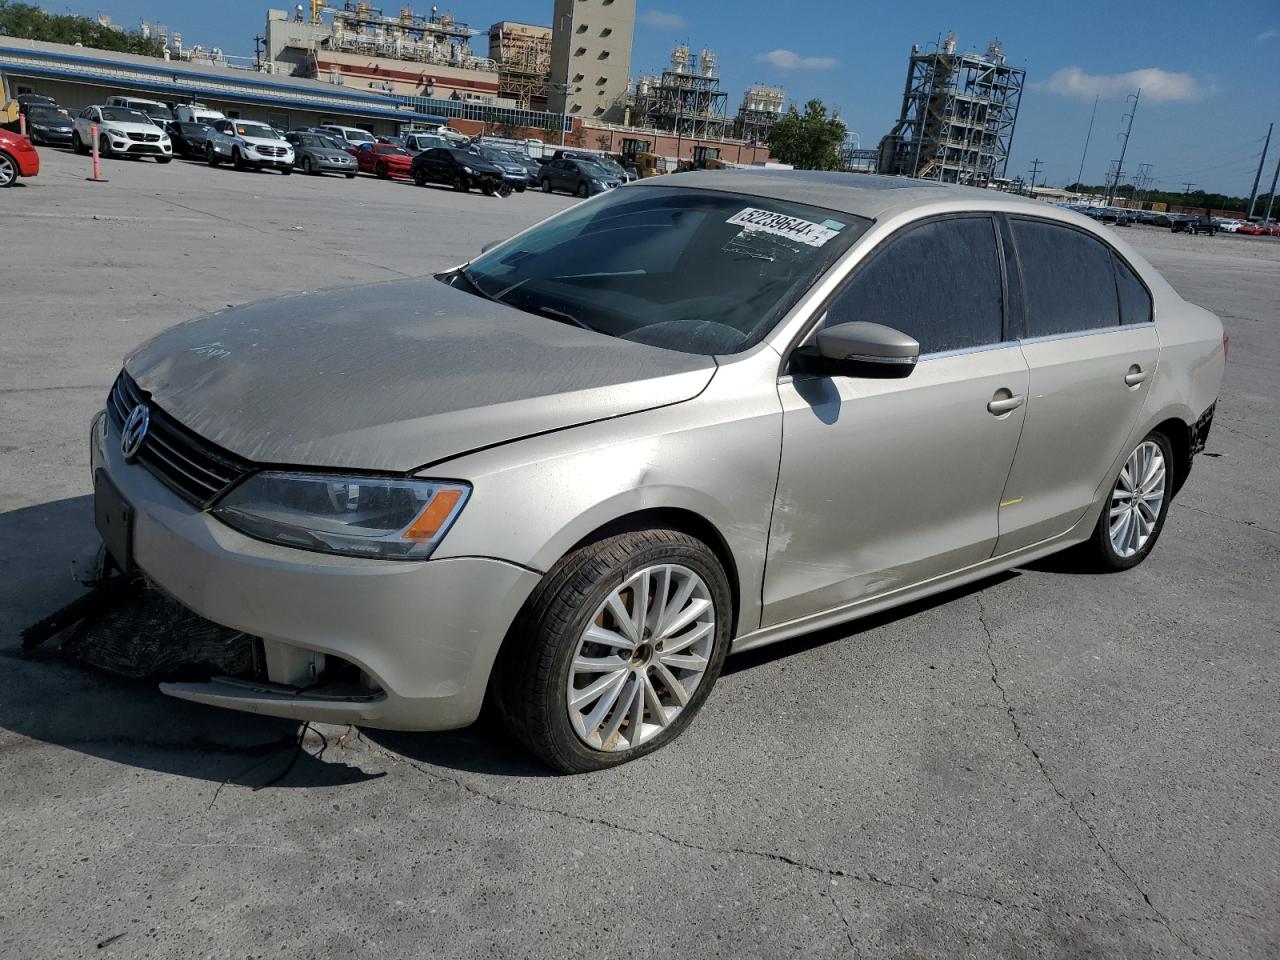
x,y
135,429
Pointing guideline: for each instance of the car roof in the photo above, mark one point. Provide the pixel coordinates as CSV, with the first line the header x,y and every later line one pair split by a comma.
x,y
861,194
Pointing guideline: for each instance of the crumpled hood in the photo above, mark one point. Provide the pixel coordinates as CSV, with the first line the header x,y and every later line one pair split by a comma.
x,y
396,376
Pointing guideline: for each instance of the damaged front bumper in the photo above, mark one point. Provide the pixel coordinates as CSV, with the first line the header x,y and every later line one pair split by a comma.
x,y
396,645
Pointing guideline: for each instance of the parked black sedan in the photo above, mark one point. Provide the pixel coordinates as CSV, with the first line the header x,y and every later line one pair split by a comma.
x,y
189,139
459,169
48,124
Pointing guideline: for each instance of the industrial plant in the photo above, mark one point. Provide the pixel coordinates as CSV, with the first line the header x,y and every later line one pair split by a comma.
x,y
958,116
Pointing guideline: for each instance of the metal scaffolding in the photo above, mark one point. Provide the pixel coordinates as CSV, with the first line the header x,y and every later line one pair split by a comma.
x,y
686,99
761,108
523,54
958,116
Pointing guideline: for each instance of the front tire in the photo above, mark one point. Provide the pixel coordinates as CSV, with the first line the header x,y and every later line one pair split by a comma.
x,y
460,184
212,157
104,147
8,170
380,171
77,144
546,185
1134,514
307,167
616,651
584,191
163,159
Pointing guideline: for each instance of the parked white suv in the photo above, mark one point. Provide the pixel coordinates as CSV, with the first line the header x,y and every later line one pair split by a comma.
x,y
198,113
353,135
248,145
121,131
155,111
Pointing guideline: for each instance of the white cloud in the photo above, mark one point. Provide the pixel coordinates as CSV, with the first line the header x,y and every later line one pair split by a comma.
x,y
1266,35
790,60
662,20
1157,85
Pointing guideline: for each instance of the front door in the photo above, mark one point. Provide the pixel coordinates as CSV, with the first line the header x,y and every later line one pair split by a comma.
x,y
887,483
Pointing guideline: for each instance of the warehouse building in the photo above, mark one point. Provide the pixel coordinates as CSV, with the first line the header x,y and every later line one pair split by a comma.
x,y
79,76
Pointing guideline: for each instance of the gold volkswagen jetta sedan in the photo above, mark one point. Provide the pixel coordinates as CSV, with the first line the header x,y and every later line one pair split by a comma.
x,y
691,416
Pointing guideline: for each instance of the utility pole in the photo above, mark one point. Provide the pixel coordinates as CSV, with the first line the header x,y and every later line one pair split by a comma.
x,y
1087,137
1253,194
1115,184
1186,188
1271,200
1035,169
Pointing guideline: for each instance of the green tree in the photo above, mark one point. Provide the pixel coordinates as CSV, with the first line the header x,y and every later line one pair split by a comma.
x,y
809,140
29,22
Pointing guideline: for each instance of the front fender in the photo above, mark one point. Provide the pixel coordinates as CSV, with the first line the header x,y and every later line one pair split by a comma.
x,y
715,456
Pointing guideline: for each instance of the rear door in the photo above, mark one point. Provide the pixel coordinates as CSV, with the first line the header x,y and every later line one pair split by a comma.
x,y
1090,375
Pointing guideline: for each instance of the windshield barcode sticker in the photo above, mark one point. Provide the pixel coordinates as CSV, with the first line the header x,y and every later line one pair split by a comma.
x,y
780,225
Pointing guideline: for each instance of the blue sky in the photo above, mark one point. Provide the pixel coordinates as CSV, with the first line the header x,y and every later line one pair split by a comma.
x,y
1210,71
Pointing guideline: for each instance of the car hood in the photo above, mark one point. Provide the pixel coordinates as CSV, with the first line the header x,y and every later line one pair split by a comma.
x,y
396,376
327,153
266,142
130,127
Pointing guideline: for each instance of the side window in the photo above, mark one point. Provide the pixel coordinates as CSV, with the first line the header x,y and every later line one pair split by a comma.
x,y
1135,302
938,281
1067,279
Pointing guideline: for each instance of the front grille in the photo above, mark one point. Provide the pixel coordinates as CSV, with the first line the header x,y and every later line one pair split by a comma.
x,y
145,137
271,151
187,464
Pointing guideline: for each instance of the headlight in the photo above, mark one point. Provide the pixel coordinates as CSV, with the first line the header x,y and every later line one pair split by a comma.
x,y
357,516
118,134
467,170
598,183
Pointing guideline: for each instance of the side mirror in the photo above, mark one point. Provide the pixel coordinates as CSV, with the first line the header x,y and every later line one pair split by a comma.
x,y
862,349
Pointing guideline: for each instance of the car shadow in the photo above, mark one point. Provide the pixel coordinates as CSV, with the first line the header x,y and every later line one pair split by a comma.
x,y
45,697
48,698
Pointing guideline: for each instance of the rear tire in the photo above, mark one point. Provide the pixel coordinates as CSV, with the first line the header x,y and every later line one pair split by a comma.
x,y
542,663
1135,509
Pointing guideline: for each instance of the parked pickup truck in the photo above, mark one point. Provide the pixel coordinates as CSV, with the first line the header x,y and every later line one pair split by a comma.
x,y
250,146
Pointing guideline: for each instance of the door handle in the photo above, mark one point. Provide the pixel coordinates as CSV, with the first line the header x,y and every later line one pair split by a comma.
x,y
1004,401
1135,376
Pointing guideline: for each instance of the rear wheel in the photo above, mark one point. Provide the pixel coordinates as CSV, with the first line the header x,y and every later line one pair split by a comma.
x,y
1134,513
617,650
8,170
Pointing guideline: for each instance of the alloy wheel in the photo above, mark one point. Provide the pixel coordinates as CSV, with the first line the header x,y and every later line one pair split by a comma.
x,y
640,658
8,170
1137,499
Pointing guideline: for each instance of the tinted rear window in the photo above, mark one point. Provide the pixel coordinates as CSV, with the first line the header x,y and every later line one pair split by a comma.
x,y
1135,302
1067,279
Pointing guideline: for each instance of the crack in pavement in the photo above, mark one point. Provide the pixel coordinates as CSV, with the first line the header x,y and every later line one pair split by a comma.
x,y
1254,524
778,858
1160,916
848,928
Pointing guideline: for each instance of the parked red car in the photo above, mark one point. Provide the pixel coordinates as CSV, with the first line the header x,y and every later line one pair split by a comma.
x,y
384,160
18,158
1252,229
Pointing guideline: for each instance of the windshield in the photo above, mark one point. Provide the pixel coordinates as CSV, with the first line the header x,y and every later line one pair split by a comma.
x,y
691,270
358,136
157,111
45,115
496,155
121,115
387,149
259,130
